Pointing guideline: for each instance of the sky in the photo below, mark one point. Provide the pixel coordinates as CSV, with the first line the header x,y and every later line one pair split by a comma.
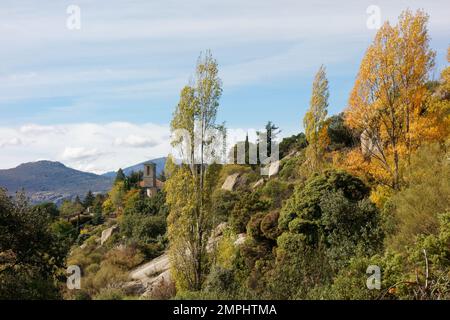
x,y
101,96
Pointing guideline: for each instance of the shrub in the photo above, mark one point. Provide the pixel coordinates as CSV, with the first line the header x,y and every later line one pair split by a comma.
x,y
277,191
142,228
248,204
254,226
223,202
269,225
110,294
305,202
416,208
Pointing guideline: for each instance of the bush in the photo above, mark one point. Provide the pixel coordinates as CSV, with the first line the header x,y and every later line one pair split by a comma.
x,y
269,225
110,294
221,283
164,290
305,202
81,295
142,228
290,168
416,208
349,228
223,202
277,191
248,204
299,267
292,143
254,226
32,255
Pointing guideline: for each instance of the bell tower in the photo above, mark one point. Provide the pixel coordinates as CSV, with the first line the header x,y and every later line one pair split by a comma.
x,y
149,179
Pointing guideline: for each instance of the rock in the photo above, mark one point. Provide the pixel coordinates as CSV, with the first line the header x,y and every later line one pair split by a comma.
x,y
230,182
258,183
218,231
150,276
240,239
152,269
161,280
270,169
273,168
108,233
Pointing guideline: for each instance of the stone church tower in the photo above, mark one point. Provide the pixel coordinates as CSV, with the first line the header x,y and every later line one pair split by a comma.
x,y
149,180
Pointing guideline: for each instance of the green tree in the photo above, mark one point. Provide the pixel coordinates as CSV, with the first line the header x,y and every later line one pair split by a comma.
x,y
69,208
49,208
270,135
314,120
134,178
98,203
32,256
117,195
340,135
120,176
292,143
190,220
88,199
97,218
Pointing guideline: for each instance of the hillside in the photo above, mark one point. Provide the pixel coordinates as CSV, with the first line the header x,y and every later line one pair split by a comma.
x,y
52,181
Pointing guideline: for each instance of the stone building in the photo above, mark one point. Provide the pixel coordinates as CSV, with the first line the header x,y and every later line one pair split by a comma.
x,y
149,181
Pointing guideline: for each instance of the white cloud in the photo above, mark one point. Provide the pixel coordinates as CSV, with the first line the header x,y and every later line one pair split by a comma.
x,y
10,142
33,129
134,141
79,153
90,147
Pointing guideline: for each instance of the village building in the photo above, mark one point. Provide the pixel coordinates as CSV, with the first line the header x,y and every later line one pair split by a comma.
x,y
149,181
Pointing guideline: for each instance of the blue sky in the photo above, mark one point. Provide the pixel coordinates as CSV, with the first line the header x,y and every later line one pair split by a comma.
x,y
64,93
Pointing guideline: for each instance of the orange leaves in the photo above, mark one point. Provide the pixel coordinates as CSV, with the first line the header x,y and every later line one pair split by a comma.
x,y
387,100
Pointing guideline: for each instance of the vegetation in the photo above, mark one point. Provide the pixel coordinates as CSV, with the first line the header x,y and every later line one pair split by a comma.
x,y
367,187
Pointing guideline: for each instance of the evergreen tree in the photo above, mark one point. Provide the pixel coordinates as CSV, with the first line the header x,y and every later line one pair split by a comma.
x,y
88,199
97,219
120,177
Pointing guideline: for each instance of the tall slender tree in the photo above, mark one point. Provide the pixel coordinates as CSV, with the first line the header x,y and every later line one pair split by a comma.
x,y
314,120
188,192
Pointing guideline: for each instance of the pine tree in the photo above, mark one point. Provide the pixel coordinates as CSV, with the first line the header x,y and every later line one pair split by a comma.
x,y
88,199
120,176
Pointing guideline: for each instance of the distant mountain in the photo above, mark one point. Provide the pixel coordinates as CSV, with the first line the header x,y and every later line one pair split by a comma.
x,y
160,163
52,181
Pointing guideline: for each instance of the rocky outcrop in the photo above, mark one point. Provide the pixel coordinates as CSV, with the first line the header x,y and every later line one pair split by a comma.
x,y
230,182
258,183
273,168
107,233
148,277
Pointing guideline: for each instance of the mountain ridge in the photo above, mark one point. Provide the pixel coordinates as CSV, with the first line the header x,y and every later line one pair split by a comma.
x,y
52,181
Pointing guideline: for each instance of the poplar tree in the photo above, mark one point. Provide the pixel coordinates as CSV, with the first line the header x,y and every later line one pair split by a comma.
x,y
314,120
188,190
